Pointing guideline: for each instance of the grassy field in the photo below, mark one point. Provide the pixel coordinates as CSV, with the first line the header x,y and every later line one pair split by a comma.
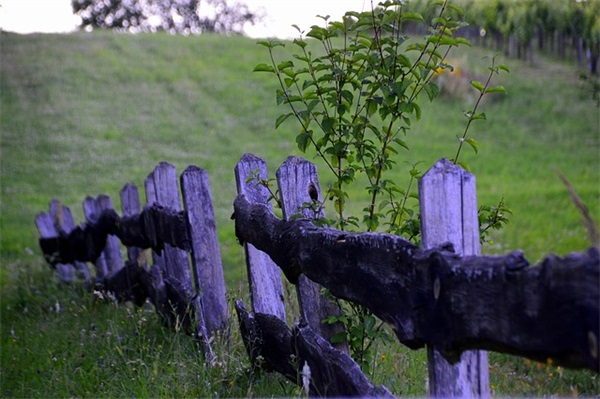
x,y
83,114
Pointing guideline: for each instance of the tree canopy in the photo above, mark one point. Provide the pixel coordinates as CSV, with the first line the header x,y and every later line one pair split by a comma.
x,y
175,16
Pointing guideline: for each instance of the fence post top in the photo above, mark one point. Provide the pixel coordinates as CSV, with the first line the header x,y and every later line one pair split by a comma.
x,y
248,157
443,166
193,169
292,159
128,187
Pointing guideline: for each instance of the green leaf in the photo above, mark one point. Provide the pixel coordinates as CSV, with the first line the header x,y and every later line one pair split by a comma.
x,y
464,165
338,338
282,118
280,96
264,68
417,110
328,124
472,143
413,16
503,67
270,43
285,64
289,82
303,140
298,42
497,89
401,143
480,115
478,85
432,90
371,107
265,43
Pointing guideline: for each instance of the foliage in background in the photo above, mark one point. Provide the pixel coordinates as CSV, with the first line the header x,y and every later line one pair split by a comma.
x,y
175,16
516,27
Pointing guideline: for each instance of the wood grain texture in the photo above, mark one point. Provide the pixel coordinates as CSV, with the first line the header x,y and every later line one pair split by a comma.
x,y
298,181
448,205
264,277
206,253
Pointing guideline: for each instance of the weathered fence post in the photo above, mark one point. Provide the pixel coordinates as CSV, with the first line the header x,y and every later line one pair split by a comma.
x,y
47,226
130,205
206,254
63,219
448,203
266,289
166,191
158,260
299,185
110,261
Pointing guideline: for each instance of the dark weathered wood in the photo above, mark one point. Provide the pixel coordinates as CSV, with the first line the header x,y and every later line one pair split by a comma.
x,y
333,373
158,258
273,346
155,227
112,250
47,230
166,189
206,254
130,205
63,222
550,310
129,283
266,289
268,342
448,205
298,181
92,216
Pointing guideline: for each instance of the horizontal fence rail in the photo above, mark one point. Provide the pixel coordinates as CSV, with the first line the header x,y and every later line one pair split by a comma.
x,y
436,297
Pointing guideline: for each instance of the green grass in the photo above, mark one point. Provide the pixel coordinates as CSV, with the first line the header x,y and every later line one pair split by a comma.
x,y
83,114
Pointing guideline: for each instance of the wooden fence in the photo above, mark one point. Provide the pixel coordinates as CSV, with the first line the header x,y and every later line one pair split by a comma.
x,y
188,291
443,295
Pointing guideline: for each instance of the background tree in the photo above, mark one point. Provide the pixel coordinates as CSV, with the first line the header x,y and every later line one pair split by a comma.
x,y
175,16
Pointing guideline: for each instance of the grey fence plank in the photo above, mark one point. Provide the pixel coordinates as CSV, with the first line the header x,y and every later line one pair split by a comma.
x,y
111,260
158,260
67,224
299,186
130,205
166,190
91,213
112,251
63,219
448,203
46,227
266,289
206,254
157,271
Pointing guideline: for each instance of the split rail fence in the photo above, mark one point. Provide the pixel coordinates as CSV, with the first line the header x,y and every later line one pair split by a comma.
x,y
443,295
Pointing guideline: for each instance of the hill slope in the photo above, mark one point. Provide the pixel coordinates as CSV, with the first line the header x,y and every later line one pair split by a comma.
x,y
83,114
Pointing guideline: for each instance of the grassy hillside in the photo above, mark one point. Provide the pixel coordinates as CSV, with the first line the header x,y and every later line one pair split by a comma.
x,y
83,114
